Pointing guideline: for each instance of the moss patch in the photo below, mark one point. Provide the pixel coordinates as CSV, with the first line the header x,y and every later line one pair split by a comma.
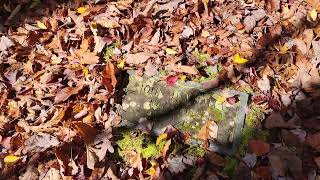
x,y
251,130
140,144
216,113
230,166
196,151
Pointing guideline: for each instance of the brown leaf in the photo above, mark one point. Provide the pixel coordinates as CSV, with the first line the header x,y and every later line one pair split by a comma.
x,y
317,160
273,5
5,43
65,93
87,132
165,148
208,131
216,159
135,160
259,147
183,69
87,57
97,150
138,58
314,140
40,142
109,79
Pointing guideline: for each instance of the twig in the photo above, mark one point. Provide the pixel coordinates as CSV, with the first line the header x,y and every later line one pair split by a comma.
x,y
13,14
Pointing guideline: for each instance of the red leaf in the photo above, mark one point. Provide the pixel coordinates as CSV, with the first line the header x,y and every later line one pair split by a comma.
x,y
259,147
171,80
263,172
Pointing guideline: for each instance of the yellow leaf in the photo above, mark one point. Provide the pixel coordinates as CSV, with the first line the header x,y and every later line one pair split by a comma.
x,y
151,171
283,49
313,14
11,159
171,51
221,99
183,78
85,71
161,138
239,60
121,65
41,25
81,10
205,33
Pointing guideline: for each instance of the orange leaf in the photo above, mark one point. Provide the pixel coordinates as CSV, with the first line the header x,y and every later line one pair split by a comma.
x,y
208,131
109,79
259,147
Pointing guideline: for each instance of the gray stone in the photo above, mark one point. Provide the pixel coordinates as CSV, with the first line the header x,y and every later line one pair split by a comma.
x,y
187,106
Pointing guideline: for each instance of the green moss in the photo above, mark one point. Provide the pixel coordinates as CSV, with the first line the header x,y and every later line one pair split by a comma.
x,y
230,166
150,151
216,113
140,144
189,127
250,130
196,151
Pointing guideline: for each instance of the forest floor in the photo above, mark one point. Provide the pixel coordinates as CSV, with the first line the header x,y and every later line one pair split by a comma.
x,y
64,71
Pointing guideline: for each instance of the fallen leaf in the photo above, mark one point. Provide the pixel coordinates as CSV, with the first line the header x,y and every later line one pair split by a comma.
x,y
41,25
250,160
65,93
209,131
161,138
81,10
264,84
313,14
216,159
187,32
138,58
5,43
40,142
87,132
98,149
259,147
109,79
10,159
273,5
176,164
239,60
134,160
317,160
183,69
171,80
170,51
313,140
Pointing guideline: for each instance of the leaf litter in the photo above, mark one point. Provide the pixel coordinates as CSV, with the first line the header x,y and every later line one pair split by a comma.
x,y
61,68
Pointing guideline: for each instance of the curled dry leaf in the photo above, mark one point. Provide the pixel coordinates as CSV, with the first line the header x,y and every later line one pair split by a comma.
x,y
40,142
66,92
138,58
209,131
135,160
183,69
109,79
